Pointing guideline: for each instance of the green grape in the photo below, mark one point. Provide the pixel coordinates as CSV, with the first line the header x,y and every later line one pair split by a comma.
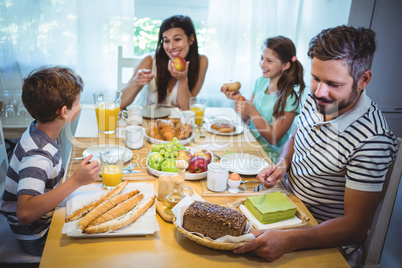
x,y
169,149
154,147
162,151
172,155
174,148
175,153
174,139
167,154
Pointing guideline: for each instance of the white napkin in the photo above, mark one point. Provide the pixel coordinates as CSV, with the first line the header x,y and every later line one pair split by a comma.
x,y
181,207
260,226
146,224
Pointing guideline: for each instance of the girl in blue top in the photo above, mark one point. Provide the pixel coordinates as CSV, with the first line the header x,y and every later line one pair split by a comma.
x,y
276,96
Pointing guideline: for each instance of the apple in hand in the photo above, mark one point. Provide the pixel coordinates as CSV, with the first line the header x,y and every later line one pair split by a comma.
x,y
184,155
197,164
179,63
205,154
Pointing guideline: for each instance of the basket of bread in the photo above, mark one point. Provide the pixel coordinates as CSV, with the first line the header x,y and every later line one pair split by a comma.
x,y
164,130
211,225
163,157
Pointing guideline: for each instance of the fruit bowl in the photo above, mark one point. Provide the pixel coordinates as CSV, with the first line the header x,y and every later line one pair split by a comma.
x,y
188,176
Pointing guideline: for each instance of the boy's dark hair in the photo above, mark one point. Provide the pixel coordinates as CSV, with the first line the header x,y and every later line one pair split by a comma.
x,y
354,46
47,90
163,75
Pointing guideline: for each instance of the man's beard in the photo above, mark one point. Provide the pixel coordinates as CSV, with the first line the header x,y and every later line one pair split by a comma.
x,y
334,106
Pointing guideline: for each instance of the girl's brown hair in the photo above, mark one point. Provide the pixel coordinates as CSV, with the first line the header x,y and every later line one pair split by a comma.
x,y
285,50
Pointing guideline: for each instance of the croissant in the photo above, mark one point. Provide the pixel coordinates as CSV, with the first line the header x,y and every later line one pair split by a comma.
x,y
183,131
153,131
166,129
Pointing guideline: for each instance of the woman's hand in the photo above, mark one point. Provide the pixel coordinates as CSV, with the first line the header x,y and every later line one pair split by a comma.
x,y
177,74
233,95
144,77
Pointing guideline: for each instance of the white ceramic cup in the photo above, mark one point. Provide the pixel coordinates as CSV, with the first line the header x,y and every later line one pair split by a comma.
x,y
188,117
133,115
134,136
217,177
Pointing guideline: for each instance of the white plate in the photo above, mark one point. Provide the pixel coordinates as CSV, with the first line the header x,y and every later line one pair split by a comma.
x,y
239,127
245,164
182,142
187,176
151,111
144,225
128,154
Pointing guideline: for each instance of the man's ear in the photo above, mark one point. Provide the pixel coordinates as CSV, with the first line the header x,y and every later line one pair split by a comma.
x,y
364,80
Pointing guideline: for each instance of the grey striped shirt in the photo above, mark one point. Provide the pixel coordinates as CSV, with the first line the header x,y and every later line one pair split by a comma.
x,y
354,150
35,168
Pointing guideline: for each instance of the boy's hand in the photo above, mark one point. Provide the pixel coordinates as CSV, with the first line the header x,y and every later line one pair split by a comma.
x,y
87,172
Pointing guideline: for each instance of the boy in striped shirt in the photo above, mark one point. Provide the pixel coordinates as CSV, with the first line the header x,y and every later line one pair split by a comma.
x,y
338,158
32,189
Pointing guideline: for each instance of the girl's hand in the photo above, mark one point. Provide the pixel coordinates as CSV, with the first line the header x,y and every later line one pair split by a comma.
x,y
177,74
87,172
244,107
233,95
144,77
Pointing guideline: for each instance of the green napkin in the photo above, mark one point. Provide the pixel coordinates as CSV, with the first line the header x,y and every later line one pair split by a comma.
x,y
270,208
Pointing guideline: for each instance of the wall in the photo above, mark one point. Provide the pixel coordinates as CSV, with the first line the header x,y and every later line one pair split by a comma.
x,y
383,16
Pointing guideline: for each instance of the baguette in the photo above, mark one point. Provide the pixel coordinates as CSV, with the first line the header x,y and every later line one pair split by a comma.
x,y
104,207
117,211
122,221
87,208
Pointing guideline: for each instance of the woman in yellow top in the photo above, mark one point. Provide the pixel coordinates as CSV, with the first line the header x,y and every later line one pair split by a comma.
x,y
166,85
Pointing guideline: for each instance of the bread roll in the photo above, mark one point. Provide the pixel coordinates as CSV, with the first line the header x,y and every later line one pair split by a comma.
x,y
232,86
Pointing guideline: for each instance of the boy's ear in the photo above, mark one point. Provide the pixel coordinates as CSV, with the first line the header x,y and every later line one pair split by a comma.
x,y
63,112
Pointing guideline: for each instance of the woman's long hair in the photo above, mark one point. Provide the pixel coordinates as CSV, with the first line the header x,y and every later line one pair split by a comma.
x,y
285,50
163,76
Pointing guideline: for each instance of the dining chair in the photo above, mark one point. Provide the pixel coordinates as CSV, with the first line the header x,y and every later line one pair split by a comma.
x,y
124,65
374,244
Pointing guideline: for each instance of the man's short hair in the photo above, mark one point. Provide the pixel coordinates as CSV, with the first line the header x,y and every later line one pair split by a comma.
x,y
47,90
354,46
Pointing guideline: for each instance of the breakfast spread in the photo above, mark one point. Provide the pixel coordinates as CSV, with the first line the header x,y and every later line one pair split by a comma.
x,y
213,221
112,211
223,127
167,129
271,207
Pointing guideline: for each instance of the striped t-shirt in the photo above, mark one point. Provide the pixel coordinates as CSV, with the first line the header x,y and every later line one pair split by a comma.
x,y
354,150
35,168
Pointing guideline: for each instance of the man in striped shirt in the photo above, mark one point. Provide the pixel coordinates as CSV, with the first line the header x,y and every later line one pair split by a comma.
x,y
51,96
338,158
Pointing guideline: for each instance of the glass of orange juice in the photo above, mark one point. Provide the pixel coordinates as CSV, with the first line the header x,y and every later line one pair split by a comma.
x,y
107,108
112,160
198,106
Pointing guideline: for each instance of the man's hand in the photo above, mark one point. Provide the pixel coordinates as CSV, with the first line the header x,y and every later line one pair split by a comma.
x,y
271,174
269,244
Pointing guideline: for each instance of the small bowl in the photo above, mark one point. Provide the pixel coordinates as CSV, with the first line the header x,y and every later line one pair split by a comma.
x,y
233,186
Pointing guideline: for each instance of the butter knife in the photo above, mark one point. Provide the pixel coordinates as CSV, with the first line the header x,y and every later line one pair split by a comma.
x,y
259,187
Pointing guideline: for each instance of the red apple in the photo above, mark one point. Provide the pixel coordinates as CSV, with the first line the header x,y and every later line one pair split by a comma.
x,y
197,164
179,63
205,154
184,154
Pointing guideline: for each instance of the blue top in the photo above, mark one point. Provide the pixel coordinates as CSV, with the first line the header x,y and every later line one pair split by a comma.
x,y
265,106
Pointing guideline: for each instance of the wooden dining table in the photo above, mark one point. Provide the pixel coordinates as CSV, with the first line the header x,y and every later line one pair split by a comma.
x,y
167,247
